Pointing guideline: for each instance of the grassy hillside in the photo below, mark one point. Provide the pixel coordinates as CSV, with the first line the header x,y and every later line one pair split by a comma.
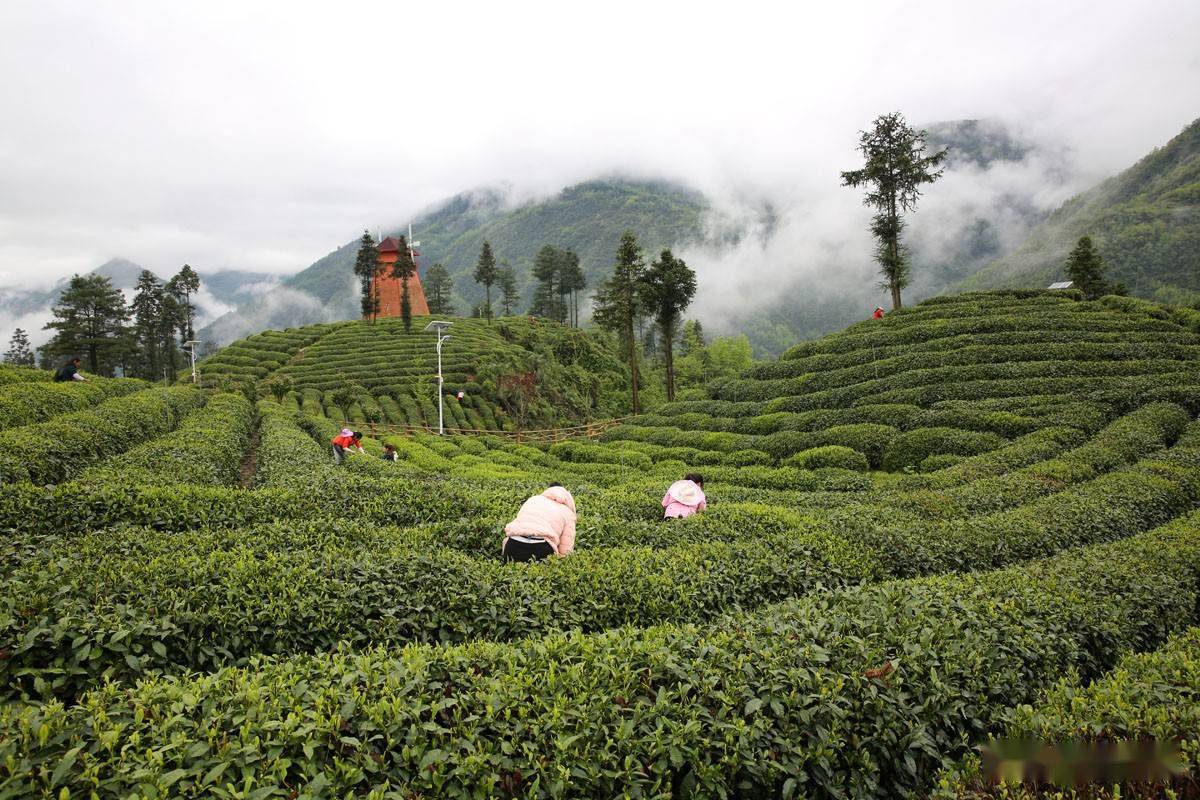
x,y
393,373
916,527
588,217
1146,222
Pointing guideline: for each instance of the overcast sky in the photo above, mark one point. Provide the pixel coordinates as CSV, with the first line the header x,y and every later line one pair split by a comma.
x,y
261,136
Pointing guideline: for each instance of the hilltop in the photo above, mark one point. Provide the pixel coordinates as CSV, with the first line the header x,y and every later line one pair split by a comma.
x,y
1145,221
390,375
588,218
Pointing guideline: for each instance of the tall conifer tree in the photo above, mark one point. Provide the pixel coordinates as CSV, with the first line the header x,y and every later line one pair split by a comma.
x,y
485,274
896,167
404,268
617,303
666,290
366,264
506,279
19,352
439,290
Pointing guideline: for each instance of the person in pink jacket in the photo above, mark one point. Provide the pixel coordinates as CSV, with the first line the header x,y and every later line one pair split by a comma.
x,y
545,526
684,498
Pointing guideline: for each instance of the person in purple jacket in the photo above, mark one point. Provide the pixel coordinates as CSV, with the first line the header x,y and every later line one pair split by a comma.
x,y
685,497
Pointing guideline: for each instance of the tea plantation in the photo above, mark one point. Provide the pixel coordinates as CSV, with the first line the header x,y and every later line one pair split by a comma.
x,y
977,516
392,373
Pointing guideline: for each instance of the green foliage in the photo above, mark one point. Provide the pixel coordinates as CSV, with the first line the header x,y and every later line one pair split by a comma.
x,y
486,274
19,354
896,167
1085,268
912,447
35,401
182,286
666,290
617,303
193,614
366,265
439,291
833,455
725,357
205,450
1144,220
958,651
52,451
89,321
506,278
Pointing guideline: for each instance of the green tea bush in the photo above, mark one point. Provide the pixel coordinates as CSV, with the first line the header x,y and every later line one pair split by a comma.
x,y
829,456
35,401
10,374
1147,697
206,449
201,601
750,705
56,450
1113,505
912,447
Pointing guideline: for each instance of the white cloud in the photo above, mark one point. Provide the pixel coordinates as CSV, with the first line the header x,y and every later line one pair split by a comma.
x,y
260,136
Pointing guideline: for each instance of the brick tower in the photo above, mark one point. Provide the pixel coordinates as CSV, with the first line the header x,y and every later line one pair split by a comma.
x,y
387,288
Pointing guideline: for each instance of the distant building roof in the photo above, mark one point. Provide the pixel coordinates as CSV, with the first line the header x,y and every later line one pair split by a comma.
x,y
1061,285
389,245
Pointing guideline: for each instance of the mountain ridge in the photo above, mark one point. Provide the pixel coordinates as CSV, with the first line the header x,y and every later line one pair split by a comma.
x,y
1145,221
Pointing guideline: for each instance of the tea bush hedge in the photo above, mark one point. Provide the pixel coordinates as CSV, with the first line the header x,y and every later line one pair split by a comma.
x,y
912,447
206,449
833,455
818,631
753,704
1147,697
35,401
53,451
10,374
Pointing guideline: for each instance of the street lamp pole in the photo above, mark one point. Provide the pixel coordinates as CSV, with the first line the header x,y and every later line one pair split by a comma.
x,y
440,328
191,346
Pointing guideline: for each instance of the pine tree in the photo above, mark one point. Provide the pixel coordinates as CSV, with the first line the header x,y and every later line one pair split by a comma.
x,y
89,321
485,274
572,282
896,167
365,266
506,279
185,283
1085,268
171,320
617,302
693,337
403,268
547,267
19,352
666,290
147,308
439,290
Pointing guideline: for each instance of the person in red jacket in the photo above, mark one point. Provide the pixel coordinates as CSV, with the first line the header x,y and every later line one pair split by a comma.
x,y
878,312
346,440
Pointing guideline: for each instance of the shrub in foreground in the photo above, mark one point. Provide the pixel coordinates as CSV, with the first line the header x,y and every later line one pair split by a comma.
x,y
760,705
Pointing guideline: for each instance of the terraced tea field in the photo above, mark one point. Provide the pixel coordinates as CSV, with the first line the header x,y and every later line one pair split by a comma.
x,y
397,370
977,516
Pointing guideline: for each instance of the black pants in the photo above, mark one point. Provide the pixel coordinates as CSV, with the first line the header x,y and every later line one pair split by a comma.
x,y
523,551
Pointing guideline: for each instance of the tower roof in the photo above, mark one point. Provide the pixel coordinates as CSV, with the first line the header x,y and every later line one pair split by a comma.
x,y
389,245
